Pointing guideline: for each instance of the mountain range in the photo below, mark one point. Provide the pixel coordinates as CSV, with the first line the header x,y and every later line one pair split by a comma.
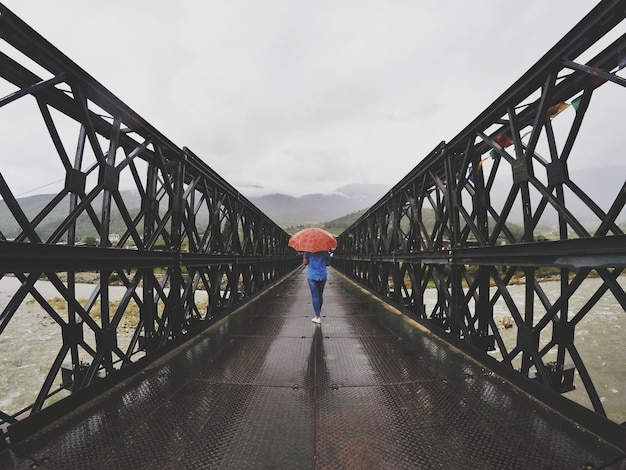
x,y
315,209
602,184
286,211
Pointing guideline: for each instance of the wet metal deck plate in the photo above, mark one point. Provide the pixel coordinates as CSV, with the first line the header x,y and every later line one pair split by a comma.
x,y
269,389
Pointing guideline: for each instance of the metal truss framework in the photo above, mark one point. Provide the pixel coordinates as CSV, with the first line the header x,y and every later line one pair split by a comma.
x,y
189,251
450,225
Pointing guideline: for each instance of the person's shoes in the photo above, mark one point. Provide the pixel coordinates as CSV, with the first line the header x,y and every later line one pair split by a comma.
x,y
316,320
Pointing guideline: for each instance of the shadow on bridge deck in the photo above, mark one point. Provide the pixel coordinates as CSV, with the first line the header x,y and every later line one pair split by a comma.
x,y
269,389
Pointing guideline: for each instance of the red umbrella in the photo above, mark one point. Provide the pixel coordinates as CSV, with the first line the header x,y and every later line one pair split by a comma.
x,y
312,239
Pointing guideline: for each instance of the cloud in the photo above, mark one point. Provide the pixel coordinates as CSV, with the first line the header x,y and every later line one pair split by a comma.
x,y
303,97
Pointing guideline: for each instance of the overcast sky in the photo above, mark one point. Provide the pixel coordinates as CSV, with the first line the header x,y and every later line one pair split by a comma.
x,y
303,97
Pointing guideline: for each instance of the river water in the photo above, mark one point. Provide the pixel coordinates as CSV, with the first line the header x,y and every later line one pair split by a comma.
x,y
599,339
31,341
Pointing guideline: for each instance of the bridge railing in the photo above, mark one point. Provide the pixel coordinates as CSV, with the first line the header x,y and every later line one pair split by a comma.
x,y
506,202
167,245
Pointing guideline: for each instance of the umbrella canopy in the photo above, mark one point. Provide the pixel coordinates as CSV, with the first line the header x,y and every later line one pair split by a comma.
x,y
312,239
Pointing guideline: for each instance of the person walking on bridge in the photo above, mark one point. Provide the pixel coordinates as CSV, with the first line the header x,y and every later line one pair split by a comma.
x,y
316,275
316,244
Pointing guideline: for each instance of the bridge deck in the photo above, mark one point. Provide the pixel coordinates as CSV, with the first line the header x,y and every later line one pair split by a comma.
x,y
269,389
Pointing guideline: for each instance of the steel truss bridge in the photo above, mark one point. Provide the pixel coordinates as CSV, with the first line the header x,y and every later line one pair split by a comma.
x,y
186,248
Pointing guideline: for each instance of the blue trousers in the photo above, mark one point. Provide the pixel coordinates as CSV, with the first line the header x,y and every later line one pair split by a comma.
x,y
317,291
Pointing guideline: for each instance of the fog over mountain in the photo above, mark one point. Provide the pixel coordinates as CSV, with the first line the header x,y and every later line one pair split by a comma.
x,y
601,184
318,208
285,210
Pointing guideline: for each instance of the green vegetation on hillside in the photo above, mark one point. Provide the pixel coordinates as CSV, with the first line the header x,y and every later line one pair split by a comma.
x,y
335,226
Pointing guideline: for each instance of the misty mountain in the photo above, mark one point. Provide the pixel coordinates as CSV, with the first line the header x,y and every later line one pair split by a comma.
x,y
314,209
284,210
33,205
602,184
